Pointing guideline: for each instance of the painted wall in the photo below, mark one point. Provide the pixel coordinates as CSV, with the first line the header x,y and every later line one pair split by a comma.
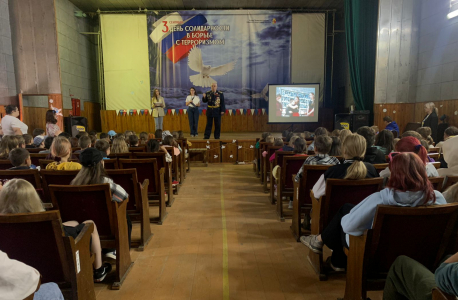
x,y
397,51
77,54
438,48
7,77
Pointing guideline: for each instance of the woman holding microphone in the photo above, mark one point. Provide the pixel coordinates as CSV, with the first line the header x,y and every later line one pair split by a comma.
x,y
193,103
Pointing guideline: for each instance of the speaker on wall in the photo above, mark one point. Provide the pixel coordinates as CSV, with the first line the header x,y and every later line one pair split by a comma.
x,y
74,125
351,121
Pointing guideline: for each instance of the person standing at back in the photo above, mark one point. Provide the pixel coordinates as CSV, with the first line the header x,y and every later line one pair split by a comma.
x,y
216,108
431,120
11,125
391,125
158,105
193,104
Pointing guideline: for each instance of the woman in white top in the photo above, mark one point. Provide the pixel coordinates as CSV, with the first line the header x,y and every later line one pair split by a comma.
x,y
11,125
193,103
158,105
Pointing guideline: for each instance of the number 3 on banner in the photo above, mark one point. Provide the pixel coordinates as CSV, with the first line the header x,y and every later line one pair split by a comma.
x,y
166,28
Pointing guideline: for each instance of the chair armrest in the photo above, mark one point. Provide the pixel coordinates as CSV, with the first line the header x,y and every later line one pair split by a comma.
x,y
47,206
316,214
439,295
85,234
356,268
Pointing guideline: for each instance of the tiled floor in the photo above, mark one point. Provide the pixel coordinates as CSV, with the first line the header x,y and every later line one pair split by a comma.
x,y
184,259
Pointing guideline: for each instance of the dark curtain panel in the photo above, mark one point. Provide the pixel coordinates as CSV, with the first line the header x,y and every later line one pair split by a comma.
x,y
361,32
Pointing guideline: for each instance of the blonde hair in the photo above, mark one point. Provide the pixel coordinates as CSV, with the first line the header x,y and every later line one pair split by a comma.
x,y
61,147
119,146
343,134
432,107
291,141
154,95
19,196
278,142
354,147
451,194
270,139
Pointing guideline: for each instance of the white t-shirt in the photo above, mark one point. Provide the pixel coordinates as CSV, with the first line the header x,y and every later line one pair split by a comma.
x,y
195,100
17,279
8,122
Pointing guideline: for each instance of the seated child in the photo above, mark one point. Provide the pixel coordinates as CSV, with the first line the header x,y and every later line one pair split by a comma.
x,y
181,137
104,136
62,150
19,197
133,141
38,131
103,147
299,146
93,140
20,141
119,146
170,141
20,159
154,146
84,142
28,141
323,145
270,139
39,141
143,138
47,144
158,134
319,131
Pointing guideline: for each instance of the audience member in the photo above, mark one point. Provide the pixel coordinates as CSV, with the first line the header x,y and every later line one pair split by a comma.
x,y
411,144
158,133
391,125
19,196
84,142
425,133
270,139
450,155
8,143
38,131
119,146
133,141
104,136
263,139
74,142
373,155
20,159
278,142
354,167
450,132
154,146
408,186
93,132
343,134
93,140
28,140
62,149
170,141
319,131
47,144
375,129
335,132
336,147
384,141
143,138
111,134
65,135
103,147
451,194
39,141
20,141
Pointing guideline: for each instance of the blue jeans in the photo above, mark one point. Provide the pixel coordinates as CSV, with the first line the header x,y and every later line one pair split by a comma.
x,y
48,291
158,122
193,116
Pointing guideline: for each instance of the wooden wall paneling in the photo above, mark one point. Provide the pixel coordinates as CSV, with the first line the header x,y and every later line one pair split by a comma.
x,y
91,111
35,117
184,123
214,149
402,113
109,120
230,152
246,152
226,123
202,124
250,123
447,107
198,144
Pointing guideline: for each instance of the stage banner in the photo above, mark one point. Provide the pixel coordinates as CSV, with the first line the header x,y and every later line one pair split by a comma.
x,y
242,51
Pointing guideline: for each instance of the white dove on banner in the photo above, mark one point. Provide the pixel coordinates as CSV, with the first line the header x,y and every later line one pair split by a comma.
x,y
208,146
208,142
234,141
251,146
231,156
203,79
240,147
262,94
223,147
216,156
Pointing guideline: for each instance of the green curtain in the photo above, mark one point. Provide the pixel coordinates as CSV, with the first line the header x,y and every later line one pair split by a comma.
x,y
361,34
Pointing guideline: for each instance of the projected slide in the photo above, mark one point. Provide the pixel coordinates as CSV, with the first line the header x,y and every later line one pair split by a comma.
x,y
293,103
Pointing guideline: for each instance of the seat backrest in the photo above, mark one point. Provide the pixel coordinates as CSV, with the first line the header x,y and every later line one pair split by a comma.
x,y
146,169
433,149
110,164
310,175
5,164
127,179
35,158
36,240
271,150
437,182
291,165
137,149
49,177
449,181
159,156
279,155
29,175
421,233
86,202
380,167
120,155
412,127
434,156
342,191
44,162
395,133
35,150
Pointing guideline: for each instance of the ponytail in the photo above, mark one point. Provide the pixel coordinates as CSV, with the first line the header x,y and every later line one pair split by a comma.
x,y
357,170
354,147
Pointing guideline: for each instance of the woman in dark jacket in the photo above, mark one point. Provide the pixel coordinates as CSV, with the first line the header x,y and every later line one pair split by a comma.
x,y
431,119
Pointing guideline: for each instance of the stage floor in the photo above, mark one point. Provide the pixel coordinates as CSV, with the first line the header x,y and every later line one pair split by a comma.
x,y
233,135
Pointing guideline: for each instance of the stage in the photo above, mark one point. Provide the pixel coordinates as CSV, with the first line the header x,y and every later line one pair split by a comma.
x,y
232,136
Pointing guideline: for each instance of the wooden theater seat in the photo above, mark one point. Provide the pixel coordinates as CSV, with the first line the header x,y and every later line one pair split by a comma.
x,y
437,182
276,162
449,181
49,177
434,156
110,164
137,207
256,156
380,167
30,175
263,147
175,168
338,193
5,164
302,203
291,165
147,169
434,150
182,162
265,161
36,157
35,150
161,163
40,242
137,149
421,233
120,155
440,295
93,202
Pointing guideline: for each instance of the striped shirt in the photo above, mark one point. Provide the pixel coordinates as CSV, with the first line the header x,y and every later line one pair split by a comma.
x,y
319,159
